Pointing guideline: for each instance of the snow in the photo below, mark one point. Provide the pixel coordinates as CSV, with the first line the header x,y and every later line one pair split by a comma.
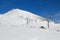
x,y
19,24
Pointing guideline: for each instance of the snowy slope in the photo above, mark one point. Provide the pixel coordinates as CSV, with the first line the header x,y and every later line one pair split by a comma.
x,y
22,25
18,17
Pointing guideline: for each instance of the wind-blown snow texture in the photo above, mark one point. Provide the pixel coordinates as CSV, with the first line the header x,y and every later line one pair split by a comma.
x,y
22,25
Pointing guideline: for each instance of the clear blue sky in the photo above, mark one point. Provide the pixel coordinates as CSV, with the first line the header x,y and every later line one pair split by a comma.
x,y
43,8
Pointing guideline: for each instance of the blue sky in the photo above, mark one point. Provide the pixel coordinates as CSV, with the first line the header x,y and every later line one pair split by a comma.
x,y
43,8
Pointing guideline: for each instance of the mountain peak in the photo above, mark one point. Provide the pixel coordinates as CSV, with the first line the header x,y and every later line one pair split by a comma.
x,y
18,12
19,16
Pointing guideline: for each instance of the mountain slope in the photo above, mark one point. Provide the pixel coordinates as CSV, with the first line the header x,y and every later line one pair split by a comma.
x,y
18,17
22,25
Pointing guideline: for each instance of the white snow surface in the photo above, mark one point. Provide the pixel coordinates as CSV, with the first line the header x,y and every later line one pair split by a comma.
x,y
19,24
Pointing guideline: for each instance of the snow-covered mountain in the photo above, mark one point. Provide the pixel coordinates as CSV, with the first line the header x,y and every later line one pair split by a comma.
x,y
18,24
20,17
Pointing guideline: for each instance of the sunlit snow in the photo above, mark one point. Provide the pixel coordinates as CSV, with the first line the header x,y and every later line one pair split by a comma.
x,y
18,24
